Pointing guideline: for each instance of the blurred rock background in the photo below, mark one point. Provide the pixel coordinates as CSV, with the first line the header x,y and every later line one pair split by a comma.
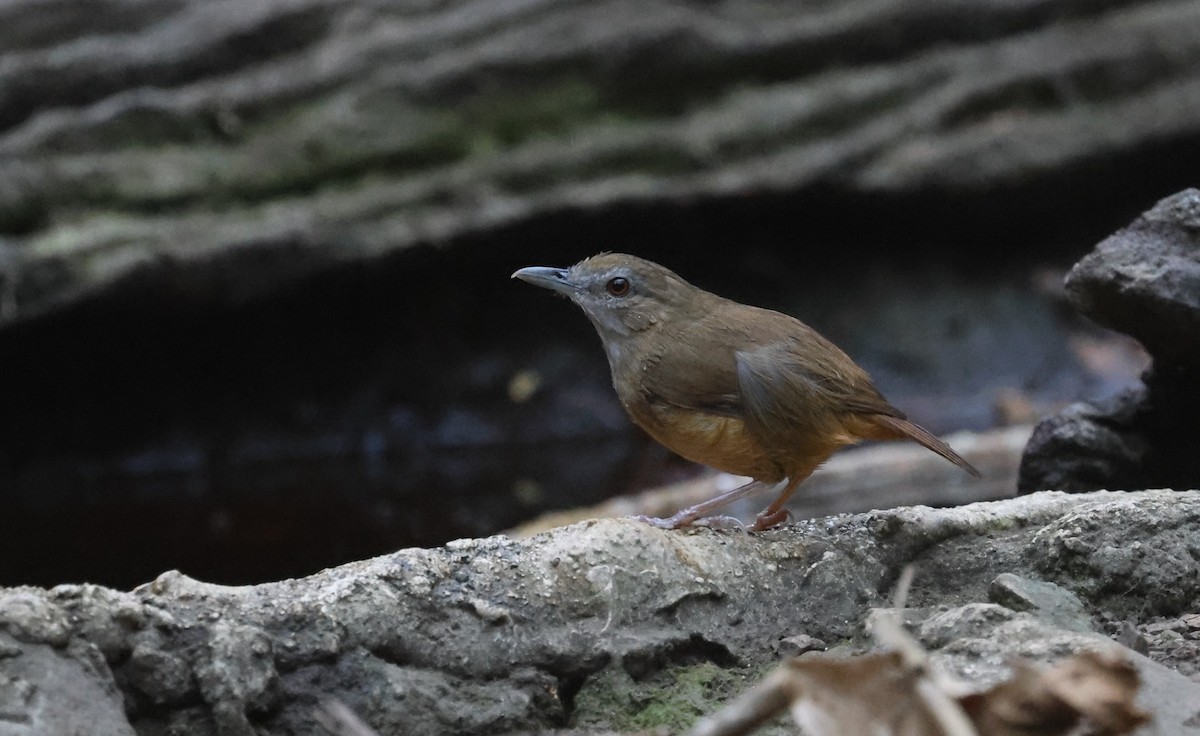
x,y
255,315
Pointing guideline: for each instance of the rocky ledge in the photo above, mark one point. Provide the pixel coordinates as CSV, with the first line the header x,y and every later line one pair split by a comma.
x,y
610,624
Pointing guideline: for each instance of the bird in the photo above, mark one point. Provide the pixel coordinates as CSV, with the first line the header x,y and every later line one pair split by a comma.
x,y
743,389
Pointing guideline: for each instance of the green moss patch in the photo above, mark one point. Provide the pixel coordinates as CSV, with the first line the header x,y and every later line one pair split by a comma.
x,y
673,698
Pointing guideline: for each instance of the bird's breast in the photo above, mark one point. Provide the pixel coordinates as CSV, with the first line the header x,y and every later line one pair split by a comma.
x,y
725,443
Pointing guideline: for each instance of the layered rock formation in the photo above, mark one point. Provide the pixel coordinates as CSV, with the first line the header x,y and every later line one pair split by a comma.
x,y
215,151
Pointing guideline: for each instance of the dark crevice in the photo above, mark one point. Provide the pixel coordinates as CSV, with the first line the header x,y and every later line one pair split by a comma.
x,y
55,21
1093,84
571,673
670,73
569,687
392,652
646,662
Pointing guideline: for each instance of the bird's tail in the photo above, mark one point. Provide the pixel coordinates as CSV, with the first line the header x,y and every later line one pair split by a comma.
x,y
900,428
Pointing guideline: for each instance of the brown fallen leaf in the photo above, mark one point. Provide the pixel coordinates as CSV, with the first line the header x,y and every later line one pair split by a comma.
x,y
895,694
901,693
827,696
1090,686
872,694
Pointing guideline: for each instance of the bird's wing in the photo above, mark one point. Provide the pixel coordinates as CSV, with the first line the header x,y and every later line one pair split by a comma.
x,y
788,385
710,391
772,370
693,373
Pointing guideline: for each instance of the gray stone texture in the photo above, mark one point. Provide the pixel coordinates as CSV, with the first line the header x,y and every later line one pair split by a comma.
x,y
1143,281
217,151
589,625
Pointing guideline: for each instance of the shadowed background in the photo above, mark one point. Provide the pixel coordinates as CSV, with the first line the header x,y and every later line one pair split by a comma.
x,y
255,315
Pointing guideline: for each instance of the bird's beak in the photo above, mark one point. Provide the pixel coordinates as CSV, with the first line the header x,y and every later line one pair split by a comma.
x,y
554,279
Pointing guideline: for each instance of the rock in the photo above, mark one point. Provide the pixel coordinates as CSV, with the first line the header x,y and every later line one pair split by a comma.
x,y
601,625
971,621
46,689
1144,281
1161,626
983,654
1174,642
1128,636
228,150
27,616
794,646
1086,447
1054,603
1140,565
161,677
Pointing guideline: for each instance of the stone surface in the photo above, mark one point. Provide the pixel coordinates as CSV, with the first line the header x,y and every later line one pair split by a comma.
x,y
1144,281
601,625
1052,602
1146,562
48,689
217,151
1086,447
978,643
1173,642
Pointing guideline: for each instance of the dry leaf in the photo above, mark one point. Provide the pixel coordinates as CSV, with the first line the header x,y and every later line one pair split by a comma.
x,y
871,694
1019,705
1097,688
889,695
899,693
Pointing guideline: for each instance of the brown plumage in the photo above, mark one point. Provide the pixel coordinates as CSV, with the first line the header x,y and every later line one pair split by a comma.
x,y
746,390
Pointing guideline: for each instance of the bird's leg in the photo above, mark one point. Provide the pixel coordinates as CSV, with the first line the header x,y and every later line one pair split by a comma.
x,y
776,514
692,514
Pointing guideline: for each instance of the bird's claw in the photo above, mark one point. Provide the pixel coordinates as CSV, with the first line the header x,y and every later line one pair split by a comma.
x,y
769,520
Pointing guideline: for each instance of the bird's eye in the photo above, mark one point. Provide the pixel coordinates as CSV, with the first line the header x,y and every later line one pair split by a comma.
x,y
618,286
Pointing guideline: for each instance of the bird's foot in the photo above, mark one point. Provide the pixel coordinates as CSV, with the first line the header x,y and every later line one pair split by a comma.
x,y
770,519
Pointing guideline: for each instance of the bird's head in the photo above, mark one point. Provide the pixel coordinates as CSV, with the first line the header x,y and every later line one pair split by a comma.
x,y
622,295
